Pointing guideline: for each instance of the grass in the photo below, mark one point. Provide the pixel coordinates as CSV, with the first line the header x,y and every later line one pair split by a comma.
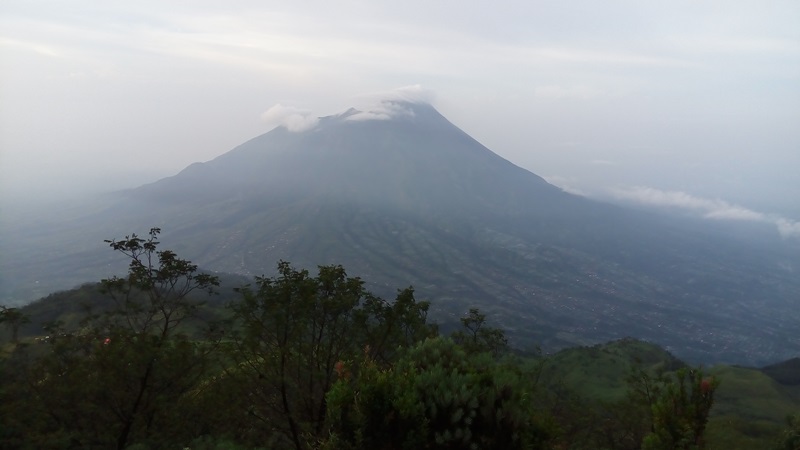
x,y
750,408
600,372
752,395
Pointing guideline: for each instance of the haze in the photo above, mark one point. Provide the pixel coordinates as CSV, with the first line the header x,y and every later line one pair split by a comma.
x,y
680,103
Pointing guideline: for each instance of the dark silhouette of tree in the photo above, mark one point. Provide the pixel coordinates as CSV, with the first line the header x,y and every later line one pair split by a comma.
x,y
790,439
13,318
478,337
294,331
125,374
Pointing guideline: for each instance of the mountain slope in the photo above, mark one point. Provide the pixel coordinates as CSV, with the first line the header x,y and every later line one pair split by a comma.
x,y
410,199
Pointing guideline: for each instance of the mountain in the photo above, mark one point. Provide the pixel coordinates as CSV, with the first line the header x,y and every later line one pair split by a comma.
x,y
406,198
417,163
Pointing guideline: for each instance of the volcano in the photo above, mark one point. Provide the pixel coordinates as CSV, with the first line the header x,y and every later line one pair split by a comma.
x,y
401,197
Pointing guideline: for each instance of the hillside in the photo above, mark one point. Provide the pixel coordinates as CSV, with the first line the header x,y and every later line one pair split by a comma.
x,y
749,411
588,388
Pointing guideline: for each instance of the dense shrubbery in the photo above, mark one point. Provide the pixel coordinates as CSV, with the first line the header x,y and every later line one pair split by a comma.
x,y
435,396
307,362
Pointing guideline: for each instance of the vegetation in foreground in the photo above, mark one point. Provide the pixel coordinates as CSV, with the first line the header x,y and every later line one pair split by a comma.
x,y
301,361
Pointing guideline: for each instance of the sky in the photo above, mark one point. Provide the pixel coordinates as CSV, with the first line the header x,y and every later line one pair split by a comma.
x,y
691,104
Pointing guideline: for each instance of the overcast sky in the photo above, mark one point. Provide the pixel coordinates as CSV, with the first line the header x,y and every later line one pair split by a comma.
x,y
650,100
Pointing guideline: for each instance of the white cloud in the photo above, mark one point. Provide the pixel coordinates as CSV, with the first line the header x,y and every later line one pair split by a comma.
x,y
788,228
583,55
566,92
384,111
411,94
567,184
294,119
708,208
603,162
656,197
390,104
732,212
734,45
39,49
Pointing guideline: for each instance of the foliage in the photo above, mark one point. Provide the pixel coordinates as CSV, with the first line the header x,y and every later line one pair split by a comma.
x,y
477,337
123,376
13,318
437,396
293,331
164,280
319,362
627,394
679,405
790,440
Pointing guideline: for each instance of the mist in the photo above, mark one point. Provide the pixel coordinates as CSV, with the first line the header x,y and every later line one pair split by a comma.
x,y
701,99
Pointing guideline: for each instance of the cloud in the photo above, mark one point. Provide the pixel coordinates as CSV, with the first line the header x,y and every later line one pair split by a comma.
x,y
567,184
732,212
411,94
788,228
394,103
382,106
566,92
384,111
294,119
708,208
37,48
734,45
603,162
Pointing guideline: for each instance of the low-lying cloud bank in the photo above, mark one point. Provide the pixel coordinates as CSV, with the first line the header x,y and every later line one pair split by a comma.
x,y
708,208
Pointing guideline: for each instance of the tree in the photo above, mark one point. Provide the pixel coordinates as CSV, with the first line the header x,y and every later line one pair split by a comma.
x,y
436,396
392,326
678,404
13,318
790,439
155,295
124,376
152,300
478,337
295,330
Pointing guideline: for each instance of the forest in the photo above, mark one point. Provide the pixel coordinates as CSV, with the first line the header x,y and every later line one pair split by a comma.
x,y
316,361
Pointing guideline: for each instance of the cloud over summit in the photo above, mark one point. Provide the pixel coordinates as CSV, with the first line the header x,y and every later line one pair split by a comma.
x,y
391,104
384,111
383,105
294,119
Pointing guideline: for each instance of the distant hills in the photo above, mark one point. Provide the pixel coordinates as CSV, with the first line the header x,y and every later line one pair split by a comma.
x,y
407,198
750,407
